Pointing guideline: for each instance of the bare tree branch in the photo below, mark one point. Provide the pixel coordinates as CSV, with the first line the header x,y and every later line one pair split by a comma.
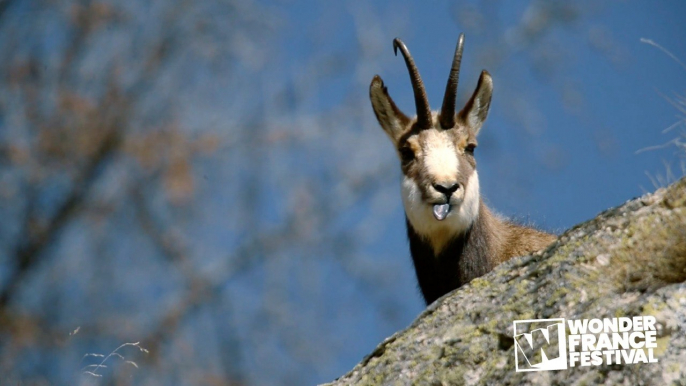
x,y
28,254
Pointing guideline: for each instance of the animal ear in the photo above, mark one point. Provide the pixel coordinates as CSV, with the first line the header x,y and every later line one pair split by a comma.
x,y
391,119
475,111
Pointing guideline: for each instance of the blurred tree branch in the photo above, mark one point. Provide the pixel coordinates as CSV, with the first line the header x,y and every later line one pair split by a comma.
x,y
40,237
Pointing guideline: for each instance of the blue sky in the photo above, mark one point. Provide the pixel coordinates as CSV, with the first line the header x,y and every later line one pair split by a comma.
x,y
570,110
574,161
285,92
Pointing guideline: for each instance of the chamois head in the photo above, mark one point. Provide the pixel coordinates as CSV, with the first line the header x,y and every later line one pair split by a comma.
x,y
440,185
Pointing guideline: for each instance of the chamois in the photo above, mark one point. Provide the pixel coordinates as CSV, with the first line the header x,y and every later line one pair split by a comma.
x,y
453,236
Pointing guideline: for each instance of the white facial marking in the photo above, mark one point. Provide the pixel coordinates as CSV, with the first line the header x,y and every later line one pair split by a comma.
x,y
440,157
469,210
420,214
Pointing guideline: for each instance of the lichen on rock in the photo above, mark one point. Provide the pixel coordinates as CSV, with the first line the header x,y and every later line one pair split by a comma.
x,y
627,261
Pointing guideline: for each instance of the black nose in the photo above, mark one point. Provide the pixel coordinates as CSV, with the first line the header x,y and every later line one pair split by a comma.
x,y
447,188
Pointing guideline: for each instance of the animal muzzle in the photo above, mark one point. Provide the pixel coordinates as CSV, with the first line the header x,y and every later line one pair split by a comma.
x,y
447,189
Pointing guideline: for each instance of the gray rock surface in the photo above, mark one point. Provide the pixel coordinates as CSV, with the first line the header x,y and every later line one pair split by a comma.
x,y
628,261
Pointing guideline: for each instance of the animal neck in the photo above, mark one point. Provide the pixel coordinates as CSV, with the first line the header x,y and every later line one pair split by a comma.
x,y
483,227
463,256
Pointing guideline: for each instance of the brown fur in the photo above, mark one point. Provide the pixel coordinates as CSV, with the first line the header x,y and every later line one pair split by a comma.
x,y
488,243
520,240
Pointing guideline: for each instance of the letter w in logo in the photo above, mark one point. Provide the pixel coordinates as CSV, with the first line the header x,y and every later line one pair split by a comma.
x,y
540,345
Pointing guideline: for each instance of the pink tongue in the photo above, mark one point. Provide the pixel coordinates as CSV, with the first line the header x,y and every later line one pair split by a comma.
x,y
441,211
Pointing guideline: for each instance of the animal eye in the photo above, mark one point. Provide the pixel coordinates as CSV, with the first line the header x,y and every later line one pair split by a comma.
x,y
406,154
470,148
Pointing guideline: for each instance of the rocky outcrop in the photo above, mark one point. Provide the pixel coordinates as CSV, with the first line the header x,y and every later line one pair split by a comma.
x,y
628,261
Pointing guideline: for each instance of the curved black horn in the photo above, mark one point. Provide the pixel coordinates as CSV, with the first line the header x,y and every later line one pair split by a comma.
x,y
447,116
420,99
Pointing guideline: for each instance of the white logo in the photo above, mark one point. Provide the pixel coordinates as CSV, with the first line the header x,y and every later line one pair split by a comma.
x,y
543,344
540,345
